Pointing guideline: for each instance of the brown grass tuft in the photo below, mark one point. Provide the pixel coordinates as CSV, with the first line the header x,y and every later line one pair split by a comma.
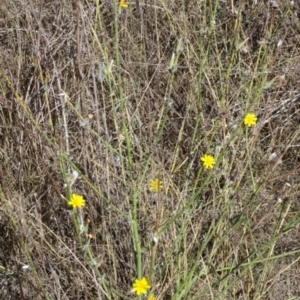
x,y
127,96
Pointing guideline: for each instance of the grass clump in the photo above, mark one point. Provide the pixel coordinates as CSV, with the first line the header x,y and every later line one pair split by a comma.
x,y
149,150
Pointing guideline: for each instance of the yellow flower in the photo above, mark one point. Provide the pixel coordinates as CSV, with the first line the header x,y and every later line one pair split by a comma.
x,y
141,286
123,4
76,201
208,161
152,297
155,185
250,120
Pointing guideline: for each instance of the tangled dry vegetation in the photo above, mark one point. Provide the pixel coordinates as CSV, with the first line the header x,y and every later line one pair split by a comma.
x,y
125,96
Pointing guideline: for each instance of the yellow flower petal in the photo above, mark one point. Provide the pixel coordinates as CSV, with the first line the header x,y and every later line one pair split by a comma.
x,y
155,185
208,161
76,201
123,4
250,119
141,286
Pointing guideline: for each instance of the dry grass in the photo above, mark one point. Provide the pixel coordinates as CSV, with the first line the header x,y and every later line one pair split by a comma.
x,y
127,96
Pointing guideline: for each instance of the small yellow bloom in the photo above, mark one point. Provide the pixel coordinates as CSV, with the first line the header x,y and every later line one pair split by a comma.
x,y
250,119
155,185
123,4
152,297
141,286
208,161
76,201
